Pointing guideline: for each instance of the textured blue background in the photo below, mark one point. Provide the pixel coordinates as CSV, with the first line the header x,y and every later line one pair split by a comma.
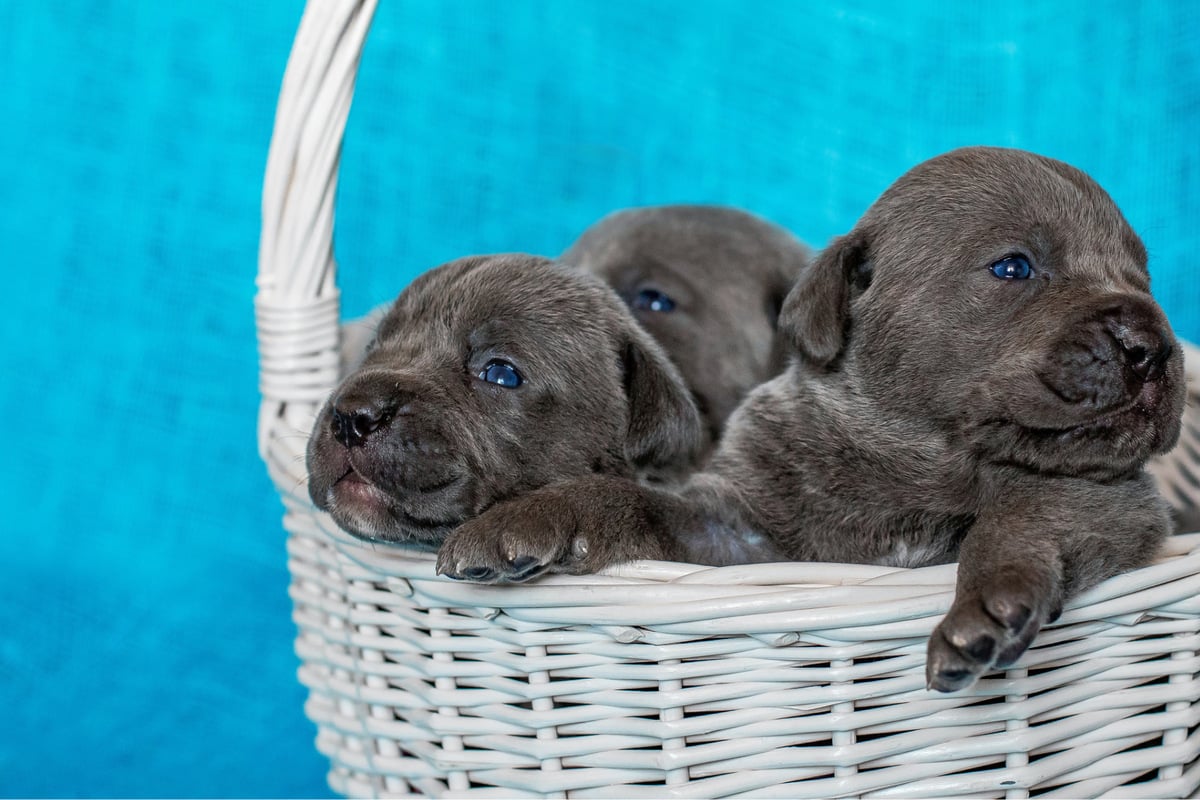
x,y
145,639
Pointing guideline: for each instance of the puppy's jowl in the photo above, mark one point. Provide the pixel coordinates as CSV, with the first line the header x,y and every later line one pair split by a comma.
x,y
490,377
980,374
707,282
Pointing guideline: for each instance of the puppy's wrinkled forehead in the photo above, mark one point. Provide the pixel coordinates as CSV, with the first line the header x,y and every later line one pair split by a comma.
x,y
988,197
525,306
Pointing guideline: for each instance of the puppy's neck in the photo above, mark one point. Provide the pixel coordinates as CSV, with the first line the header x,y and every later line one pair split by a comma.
x,y
836,397
867,435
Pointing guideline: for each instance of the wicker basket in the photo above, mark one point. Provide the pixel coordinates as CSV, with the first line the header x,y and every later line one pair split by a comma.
x,y
657,679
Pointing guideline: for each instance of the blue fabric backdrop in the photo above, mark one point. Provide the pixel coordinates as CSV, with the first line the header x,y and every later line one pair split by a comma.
x,y
145,639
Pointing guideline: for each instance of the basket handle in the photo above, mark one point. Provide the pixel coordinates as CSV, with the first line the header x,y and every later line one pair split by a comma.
x,y
296,306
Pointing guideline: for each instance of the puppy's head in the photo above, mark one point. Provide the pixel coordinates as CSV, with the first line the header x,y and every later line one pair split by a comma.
x,y
488,377
1002,296
707,282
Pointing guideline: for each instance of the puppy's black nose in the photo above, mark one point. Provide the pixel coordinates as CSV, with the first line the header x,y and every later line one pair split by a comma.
x,y
1144,349
354,419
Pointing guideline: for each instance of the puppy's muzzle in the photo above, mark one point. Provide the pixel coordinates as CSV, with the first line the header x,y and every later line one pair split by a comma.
x,y
387,425
1110,355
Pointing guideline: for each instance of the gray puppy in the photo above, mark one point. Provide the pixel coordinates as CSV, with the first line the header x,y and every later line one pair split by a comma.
x,y
707,282
981,375
487,378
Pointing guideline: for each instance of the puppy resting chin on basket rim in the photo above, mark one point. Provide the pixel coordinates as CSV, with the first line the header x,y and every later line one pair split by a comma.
x,y
981,374
488,377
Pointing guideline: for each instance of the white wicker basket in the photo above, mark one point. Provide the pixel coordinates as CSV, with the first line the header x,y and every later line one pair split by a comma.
x,y
794,680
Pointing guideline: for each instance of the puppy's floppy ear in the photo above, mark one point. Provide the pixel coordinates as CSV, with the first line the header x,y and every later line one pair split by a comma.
x,y
816,311
664,425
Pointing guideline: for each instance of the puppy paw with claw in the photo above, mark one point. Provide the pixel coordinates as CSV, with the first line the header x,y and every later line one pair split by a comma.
x,y
579,527
989,628
512,542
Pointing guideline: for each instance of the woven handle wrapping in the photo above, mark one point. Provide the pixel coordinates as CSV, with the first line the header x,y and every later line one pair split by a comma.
x,y
296,308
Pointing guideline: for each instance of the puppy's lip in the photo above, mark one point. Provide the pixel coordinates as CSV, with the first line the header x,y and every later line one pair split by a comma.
x,y
446,476
351,476
1105,419
357,487
1144,404
440,484
1075,416
354,499
431,525
353,486
1151,394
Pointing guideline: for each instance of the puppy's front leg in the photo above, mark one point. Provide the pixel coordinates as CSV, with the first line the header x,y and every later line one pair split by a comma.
x,y
1008,587
1041,542
579,526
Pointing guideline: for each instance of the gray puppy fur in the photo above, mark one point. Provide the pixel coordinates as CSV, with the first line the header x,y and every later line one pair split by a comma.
x,y
415,440
708,283
934,412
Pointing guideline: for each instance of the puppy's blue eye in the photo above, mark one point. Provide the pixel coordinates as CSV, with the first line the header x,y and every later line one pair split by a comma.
x,y
1012,268
653,300
501,373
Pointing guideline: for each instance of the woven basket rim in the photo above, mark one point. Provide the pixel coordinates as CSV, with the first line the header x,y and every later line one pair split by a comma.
x,y
841,600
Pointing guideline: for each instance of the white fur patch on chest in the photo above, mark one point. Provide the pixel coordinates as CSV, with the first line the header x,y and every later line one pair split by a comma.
x,y
905,555
719,545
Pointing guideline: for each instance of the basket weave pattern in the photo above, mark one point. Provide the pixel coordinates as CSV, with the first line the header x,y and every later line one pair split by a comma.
x,y
656,679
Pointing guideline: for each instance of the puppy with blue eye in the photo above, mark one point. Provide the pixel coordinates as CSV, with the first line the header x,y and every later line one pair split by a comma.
x,y
707,282
487,378
980,375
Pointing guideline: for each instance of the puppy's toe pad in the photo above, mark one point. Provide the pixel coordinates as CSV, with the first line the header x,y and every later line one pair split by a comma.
x,y
522,568
1010,611
979,648
478,573
946,669
522,563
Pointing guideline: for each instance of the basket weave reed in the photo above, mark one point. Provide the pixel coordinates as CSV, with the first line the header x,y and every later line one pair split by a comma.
x,y
658,679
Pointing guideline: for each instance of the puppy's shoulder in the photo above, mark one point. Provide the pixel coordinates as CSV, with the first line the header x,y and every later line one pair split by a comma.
x,y
810,435
783,431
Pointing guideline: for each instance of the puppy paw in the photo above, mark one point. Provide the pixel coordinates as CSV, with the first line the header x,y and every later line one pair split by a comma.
x,y
989,628
511,543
